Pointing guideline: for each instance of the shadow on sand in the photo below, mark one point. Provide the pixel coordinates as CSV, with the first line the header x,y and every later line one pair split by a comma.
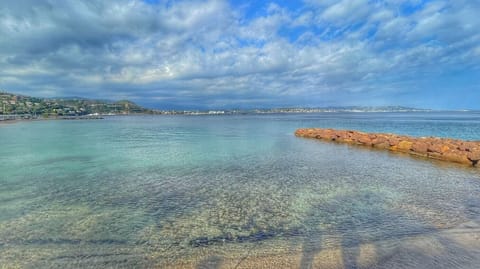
x,y
395,239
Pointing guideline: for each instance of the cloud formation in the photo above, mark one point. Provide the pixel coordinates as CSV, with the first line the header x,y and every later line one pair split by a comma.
x,y
187,54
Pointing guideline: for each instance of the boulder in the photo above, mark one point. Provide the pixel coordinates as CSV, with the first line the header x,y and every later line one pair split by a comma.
x,y
433,147
474,157
404,145
393,141
420,147
456,157
444,148
382,145
379,140
435,155
364,139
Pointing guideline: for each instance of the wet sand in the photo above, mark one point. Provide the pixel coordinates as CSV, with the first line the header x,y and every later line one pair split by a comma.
x,y
457,247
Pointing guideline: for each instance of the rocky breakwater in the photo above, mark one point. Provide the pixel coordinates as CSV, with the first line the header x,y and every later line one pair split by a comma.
x,y
446,149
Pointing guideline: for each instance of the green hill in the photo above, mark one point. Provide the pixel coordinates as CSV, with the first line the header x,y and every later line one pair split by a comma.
x,y
52,107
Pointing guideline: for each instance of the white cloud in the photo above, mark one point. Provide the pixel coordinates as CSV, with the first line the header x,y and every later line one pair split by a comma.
x,y
346,11
207,48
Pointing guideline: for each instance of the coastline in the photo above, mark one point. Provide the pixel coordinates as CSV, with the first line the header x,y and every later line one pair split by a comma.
x,y
444,149
13,121
2,122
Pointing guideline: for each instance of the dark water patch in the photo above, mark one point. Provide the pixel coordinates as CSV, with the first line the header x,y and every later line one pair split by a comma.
x,y
250,238
255,237
64,159
66,241
13,199
90,256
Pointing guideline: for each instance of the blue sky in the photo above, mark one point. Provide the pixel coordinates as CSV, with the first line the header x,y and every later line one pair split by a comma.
x,y
245,54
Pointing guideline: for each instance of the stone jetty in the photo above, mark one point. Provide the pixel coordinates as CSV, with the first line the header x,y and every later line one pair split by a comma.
x,y
445,149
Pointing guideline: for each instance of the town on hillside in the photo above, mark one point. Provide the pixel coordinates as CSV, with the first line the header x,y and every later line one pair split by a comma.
x,y
32,107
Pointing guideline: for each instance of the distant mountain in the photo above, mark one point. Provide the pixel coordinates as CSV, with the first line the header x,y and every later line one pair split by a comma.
x,y
346,109
53,107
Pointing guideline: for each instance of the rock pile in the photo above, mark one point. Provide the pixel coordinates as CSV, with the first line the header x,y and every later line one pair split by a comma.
x,y
458,151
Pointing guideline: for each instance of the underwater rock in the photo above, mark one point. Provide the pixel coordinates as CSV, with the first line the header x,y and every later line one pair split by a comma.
x,y
457,151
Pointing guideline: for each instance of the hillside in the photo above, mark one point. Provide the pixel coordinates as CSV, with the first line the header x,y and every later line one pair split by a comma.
x,y
46,107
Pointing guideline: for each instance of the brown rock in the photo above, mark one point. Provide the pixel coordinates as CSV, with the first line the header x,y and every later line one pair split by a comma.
x,y
444,148
383,145
342,134
420,147
393,141
364,139
469,146
466,152
463,146
379,140
474,156
435,155
328,134
404,145
456,156
434,148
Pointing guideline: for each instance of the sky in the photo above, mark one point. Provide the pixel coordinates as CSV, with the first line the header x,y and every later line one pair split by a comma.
x,y
218,54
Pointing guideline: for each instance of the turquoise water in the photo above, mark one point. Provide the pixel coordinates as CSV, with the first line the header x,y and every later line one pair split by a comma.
x,y
233,192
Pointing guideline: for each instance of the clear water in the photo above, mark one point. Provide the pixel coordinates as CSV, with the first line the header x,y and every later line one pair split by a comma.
x,y
234,192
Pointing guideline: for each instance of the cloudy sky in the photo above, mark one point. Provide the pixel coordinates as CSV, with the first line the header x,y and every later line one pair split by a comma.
x,y
244,54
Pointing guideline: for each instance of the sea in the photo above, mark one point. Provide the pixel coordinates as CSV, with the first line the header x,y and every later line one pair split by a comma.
x,y
234,191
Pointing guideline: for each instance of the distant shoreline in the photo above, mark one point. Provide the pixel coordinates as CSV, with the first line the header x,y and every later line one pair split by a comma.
x,y
10,121
7,119
17,120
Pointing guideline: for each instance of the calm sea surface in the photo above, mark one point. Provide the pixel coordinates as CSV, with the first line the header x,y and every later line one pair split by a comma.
x,y
234,192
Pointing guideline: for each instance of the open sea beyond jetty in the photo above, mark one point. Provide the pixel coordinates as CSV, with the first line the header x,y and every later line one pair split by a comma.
x,y
238,191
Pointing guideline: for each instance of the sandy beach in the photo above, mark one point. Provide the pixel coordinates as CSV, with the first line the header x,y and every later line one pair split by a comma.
x,y
458,247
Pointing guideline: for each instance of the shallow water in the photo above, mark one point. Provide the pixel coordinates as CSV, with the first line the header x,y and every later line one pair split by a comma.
x,y
234,191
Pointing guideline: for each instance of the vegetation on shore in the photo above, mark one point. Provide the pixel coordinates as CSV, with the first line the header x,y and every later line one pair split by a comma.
x,y
63,107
